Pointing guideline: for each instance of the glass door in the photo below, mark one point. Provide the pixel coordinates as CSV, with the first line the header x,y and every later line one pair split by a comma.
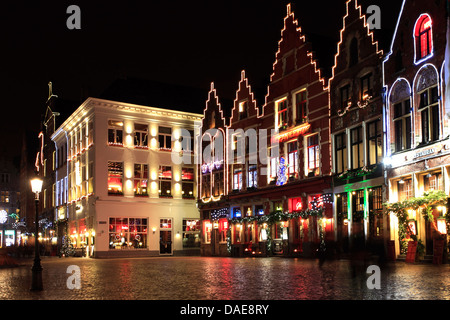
x,y
165,236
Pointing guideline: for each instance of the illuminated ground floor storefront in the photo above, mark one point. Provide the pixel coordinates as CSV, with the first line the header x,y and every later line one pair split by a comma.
x,y
292,220
132,229
358,208
418,203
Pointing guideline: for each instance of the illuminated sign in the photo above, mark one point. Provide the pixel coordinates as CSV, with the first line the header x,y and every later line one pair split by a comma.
x,y
441,225
292,133
295,204
412,226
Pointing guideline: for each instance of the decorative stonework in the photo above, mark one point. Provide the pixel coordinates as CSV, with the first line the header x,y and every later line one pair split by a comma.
x,y
426,78
401,91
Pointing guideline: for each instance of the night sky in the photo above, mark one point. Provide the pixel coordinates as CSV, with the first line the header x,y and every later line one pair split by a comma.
x,y
190,43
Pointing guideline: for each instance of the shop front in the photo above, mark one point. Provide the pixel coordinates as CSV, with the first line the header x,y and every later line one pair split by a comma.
x,y
418,204
269,230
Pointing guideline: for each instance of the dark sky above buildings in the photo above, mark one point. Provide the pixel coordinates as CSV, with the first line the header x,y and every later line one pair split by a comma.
x,y
189,43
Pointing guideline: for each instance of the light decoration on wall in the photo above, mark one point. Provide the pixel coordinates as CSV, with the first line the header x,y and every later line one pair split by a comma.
x,y
207,168
216,214
292,133
40,154
282,172
369,33
243,84
375,43
427,25
3,216
312,62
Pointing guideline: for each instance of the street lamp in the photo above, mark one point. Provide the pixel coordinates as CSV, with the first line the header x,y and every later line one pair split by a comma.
x,y
36,275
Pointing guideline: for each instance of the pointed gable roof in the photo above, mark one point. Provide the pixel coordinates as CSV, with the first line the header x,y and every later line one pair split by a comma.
x,y
213,109
353,14
292,38
244,92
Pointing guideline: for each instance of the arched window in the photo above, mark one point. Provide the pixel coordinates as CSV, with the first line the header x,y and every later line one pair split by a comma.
x,y
423,37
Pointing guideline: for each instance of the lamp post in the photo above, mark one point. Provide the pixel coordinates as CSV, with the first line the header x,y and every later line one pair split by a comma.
x,y
36,270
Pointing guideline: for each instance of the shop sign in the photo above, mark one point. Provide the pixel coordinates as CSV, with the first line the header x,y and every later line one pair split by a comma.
x,y
424,153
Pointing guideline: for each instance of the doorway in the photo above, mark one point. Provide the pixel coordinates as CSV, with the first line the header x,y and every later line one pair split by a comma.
x,y
165,242
165,236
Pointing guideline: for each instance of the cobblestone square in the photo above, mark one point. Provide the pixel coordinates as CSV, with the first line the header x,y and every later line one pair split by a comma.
x,y
212,278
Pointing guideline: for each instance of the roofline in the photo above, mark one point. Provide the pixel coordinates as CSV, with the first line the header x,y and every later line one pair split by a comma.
x,y
90,100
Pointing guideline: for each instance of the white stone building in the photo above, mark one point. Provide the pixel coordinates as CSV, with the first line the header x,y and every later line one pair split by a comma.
x,y
118,191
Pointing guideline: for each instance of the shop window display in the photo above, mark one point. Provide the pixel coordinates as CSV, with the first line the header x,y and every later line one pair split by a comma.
x,y
127,233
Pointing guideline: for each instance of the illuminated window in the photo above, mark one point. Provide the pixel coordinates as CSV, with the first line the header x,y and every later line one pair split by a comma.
x,y
115,132
358,200
165,138
366,87
423,36
115,177
90,137
213,120
206,185
357,148
313,155
127,233
243,110
282,113
405,189
191,233
429,111
187,184
4,196
237,179
165,181
187,143
342,205
374,142
207,228
223,228
292,158
402,125
248,231
345,97
376,199
340,149
140,135
83,136
432,181
141,179
218,183
273,167
252,176
301,107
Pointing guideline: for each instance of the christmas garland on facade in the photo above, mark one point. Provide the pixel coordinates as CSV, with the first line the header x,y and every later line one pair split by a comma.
x,y
425,204
275,217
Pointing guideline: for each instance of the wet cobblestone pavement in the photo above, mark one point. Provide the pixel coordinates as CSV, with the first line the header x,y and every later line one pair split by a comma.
x,y
202,278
